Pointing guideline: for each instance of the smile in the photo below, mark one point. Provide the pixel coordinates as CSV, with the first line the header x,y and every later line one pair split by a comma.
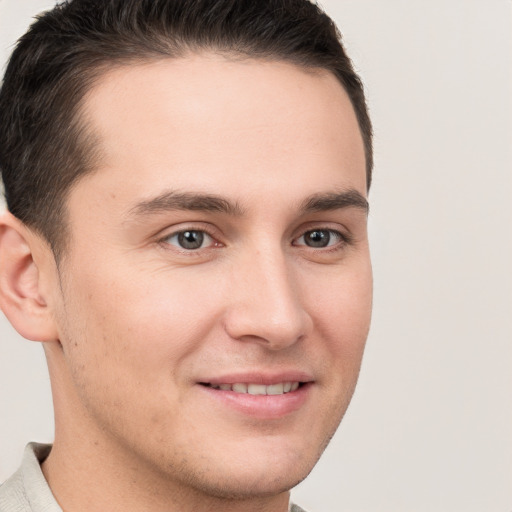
x,y
265,397
257,389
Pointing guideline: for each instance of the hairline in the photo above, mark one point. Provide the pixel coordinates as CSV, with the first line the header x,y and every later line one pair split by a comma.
x,y
89,141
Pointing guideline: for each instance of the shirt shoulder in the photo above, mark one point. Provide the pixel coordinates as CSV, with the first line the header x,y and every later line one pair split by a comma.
x,y
27,490
12,494
296,508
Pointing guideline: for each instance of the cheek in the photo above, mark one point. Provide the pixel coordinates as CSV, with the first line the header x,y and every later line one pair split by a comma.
x,y
128,344
342,313
144,320
342,301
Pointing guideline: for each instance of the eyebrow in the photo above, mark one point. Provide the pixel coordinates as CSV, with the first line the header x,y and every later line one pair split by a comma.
x,y
350,198
173,200
190,201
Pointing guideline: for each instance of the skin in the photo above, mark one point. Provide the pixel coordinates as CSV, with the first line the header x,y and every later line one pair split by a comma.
x,y
133,323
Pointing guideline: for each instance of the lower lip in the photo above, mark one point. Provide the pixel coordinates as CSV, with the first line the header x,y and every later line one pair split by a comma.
x,y
262,406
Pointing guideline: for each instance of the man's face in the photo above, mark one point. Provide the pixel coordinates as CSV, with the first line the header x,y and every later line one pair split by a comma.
x,y
218,252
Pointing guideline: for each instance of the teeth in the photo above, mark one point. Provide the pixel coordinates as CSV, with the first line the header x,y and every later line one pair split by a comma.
x,y
275,389
240,388
258,389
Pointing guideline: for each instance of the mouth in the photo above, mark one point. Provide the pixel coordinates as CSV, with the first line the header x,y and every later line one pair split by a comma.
x,y
259,396
248,388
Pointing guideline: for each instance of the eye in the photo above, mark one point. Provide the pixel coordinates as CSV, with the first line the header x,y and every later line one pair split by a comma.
x,y
190,239
320,238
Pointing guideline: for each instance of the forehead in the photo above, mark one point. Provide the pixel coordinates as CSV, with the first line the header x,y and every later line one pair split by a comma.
x,y
216,124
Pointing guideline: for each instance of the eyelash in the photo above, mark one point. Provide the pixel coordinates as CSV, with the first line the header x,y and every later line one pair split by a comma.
x,y
343,240
165,241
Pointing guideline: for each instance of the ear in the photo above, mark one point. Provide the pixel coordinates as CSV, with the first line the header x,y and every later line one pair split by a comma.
x,y
23,298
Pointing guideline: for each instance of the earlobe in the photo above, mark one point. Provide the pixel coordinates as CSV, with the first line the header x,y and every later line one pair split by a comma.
x,y
22,298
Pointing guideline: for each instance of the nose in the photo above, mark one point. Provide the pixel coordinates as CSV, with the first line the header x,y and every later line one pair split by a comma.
x,y
265,302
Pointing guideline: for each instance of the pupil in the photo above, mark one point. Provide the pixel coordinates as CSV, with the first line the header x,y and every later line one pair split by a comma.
x,y
317,238
191,239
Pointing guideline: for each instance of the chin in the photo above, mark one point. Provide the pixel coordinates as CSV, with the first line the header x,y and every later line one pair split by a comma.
x,y
254,475
250,486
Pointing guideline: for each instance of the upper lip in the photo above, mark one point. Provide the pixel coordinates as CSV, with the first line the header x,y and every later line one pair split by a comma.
x,y
266,378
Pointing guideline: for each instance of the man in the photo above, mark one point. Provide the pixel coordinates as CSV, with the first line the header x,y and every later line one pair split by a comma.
x,y
186,183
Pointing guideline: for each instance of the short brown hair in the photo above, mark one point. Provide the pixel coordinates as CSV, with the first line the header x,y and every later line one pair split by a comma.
x,y
44,145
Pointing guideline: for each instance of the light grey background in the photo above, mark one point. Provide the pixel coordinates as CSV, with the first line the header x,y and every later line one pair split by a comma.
x,y
430,427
